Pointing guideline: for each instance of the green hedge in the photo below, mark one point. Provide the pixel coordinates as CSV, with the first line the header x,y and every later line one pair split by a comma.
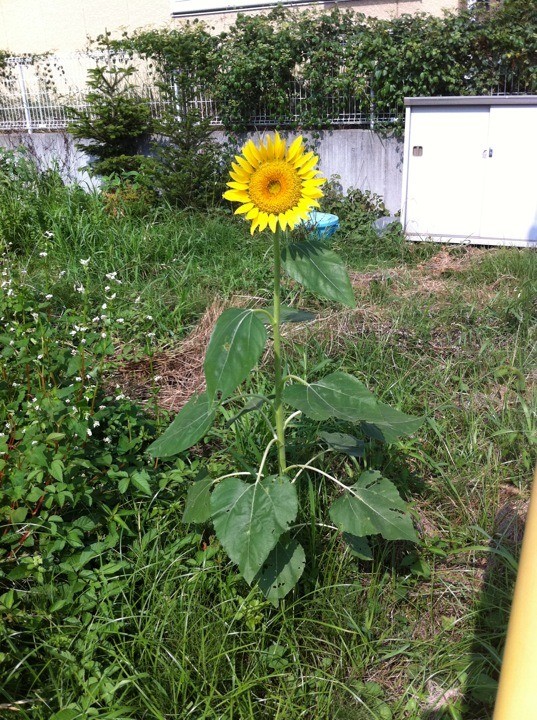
x,y
344,55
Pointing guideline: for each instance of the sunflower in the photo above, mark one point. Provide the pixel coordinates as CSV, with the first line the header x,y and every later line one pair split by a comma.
x,y
274,184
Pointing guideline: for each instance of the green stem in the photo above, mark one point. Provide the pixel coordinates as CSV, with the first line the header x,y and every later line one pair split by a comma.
x,y
278,375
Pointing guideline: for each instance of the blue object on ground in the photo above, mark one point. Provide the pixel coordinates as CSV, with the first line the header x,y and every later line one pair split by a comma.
x,y
322,225
384,223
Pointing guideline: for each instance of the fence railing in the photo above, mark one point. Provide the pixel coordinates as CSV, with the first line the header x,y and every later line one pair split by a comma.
x,y
35,95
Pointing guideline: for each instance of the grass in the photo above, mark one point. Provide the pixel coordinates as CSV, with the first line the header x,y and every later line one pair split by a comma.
x,y
162,627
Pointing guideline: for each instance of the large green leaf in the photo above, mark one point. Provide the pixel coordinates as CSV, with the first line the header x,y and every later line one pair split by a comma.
x,y
358,546
249,519
190,425
341,442
198,500
236,344
373,506
343,396
337,395
281,570
319,269
389,424
290,315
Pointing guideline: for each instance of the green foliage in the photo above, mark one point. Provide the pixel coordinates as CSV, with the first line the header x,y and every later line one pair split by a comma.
x,y
188,163
128,193
118,119
256,60
188,168
249,518
72,452
189,426
237,342
26,193
252,518
343,396
336,56
160,624
319,269
373,505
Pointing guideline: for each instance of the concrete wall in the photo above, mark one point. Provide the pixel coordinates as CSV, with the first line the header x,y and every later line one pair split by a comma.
x,y
361,158
38,26
52,149
364,160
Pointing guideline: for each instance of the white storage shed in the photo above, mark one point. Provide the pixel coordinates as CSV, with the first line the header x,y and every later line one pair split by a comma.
x,y
470,170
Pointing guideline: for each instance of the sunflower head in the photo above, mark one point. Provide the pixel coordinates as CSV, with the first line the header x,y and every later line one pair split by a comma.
x,y
274,184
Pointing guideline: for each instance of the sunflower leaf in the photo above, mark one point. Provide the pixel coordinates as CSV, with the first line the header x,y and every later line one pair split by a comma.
x,y
373,506
281,570
198,500
319,269
190,425
343,396
236,344
249,518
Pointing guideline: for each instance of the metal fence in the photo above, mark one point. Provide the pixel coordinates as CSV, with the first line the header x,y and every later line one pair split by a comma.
x,y
35,94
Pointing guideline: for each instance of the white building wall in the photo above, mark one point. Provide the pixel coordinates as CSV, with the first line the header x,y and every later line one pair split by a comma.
x,y
38,26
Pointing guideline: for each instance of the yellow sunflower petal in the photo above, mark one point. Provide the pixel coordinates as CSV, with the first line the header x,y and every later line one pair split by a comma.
x,y
309,165
237,196
254,226
253,213
245,165
251,153
314,193
309,175
273,222
244,208
293,217
302,159
279,147
295,148
314,183
269,148
241,177
263,152
237,185
263,221
282,219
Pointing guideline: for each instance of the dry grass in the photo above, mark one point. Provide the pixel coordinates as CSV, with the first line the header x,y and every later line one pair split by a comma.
x,y
173,374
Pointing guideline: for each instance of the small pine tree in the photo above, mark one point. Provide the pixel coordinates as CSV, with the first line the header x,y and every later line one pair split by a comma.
x,y
116,122
189,167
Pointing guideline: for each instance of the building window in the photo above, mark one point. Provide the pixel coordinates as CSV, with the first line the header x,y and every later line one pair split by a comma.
x,y
198,7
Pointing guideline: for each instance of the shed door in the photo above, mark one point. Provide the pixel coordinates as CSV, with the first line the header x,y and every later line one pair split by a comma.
x,y
510,189
446,164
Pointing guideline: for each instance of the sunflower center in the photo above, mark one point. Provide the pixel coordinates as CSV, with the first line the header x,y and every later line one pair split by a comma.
x,y
275,187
